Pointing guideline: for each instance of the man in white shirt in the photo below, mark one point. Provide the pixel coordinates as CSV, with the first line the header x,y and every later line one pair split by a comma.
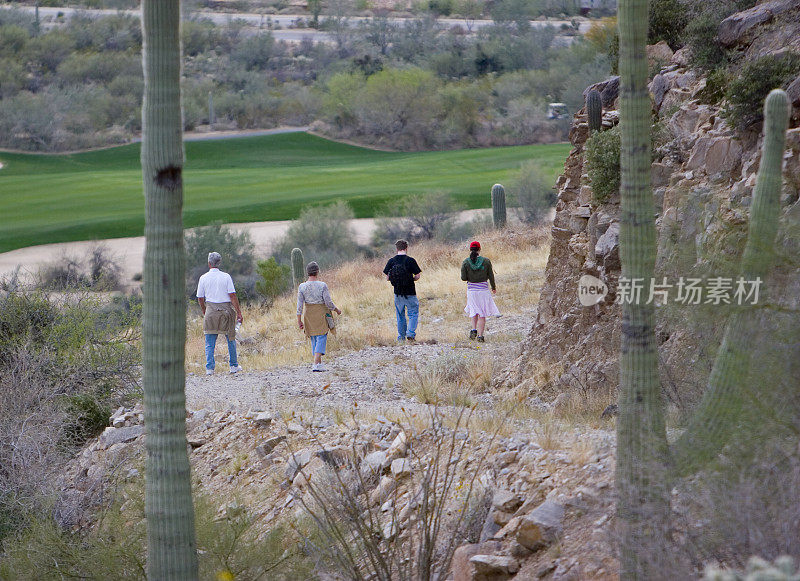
x,y
221,311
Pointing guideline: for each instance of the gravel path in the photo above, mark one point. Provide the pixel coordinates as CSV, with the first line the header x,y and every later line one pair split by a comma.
x,y
370,378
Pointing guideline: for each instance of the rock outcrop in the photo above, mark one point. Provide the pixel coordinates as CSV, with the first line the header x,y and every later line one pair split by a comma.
x,y
703,176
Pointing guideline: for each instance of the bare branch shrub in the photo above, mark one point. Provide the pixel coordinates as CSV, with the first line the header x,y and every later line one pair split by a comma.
x,y
408,527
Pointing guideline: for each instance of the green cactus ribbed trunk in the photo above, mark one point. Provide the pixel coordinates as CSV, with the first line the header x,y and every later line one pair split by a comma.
x,y
641,478
298,267
717,417
171,545
499,206
594,111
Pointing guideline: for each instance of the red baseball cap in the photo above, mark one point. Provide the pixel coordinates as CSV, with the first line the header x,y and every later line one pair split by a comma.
x,y
475,245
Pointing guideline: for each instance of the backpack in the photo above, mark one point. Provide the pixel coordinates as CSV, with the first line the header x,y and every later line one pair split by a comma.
x,y
399,274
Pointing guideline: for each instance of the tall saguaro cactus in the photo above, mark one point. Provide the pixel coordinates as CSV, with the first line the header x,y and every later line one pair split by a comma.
x,y
499,206
718,415
642,489
594,110
171,545
297,267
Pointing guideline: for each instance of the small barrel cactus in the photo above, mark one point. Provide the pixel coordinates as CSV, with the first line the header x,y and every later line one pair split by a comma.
x,y
298,269
594,110
498,206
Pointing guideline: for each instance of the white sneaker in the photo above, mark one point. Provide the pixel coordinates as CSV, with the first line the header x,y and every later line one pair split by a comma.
x,y
209,372
236,369
318,367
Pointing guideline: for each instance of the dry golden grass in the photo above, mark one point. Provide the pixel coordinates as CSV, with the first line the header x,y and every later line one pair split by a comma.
x,y
270,338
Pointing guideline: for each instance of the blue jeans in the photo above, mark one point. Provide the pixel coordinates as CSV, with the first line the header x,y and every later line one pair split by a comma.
x,y
318,343
211,342
402,304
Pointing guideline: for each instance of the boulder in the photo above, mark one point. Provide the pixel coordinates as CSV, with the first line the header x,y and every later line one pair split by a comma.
x,y
608,244
793,90
401,468
385,487
658,88
399,447
463,570
506,501
376,462
715,155
493,567
336,456
735,28
263,419
296,462
608,89
542,526
659,54
111,436
267,446
682,56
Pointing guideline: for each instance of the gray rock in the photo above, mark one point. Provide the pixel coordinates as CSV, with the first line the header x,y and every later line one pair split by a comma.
x,y
495,567
336,456
375,462
263,419
735,28
112,436
506,501
401,468
505,458
608,89
296,462
266,447
542,526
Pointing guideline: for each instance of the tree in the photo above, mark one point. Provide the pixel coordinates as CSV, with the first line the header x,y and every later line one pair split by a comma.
x,y
171,544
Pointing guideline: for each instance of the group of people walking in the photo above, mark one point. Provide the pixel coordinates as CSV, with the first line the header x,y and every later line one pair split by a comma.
x,y
222,313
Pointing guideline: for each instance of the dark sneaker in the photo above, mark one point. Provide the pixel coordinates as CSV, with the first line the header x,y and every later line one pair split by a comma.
x,y
481,340
411,339
473,334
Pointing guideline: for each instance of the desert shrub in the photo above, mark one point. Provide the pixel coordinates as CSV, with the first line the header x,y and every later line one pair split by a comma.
x,y
275,279
323,233
455,230
356,539
98,271
602,159
717,82
229,545
746,92
418,217
236,248
63,365
532,193
668,18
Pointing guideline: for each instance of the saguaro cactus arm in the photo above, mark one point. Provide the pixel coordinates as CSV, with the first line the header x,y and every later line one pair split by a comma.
x,y
297,267
498,206
717,416
594,110
643,498
171,546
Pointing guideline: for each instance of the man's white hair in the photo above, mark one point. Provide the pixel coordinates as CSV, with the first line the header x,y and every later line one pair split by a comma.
x,y
214,259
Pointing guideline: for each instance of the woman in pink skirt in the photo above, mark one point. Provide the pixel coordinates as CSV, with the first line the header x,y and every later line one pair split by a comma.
x,y
477,272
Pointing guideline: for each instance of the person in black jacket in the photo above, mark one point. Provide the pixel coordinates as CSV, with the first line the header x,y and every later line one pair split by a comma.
x,y
401,270
478,274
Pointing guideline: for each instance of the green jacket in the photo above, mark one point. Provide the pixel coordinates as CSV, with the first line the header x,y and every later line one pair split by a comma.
x,y
478,271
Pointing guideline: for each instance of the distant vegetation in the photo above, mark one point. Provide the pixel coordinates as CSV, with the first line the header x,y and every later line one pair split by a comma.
x,y
77,83
99,194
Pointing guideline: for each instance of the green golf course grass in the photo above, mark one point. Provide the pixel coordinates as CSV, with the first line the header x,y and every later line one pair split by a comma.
x,y
98,194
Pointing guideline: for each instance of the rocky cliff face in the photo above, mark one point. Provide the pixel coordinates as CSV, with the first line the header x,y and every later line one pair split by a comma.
x,y
703,176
